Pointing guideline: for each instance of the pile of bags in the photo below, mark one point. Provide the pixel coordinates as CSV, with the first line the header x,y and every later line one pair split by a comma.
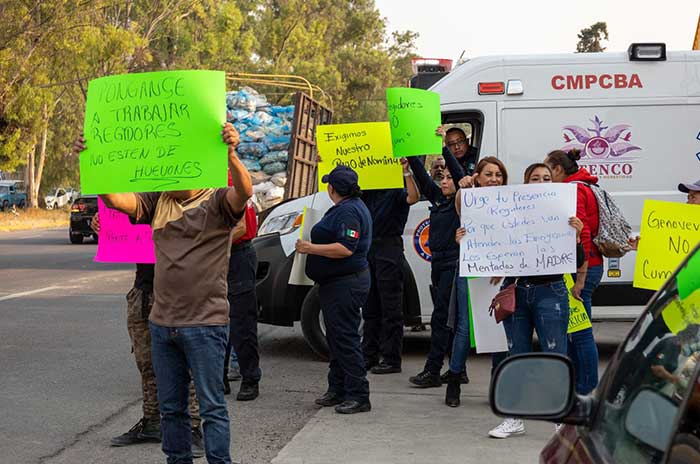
x,y
265,131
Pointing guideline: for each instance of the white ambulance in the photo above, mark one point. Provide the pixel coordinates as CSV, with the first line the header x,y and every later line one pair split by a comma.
x,y
634,115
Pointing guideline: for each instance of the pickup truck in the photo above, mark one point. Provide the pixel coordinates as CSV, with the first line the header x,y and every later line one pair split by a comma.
x,y
12,194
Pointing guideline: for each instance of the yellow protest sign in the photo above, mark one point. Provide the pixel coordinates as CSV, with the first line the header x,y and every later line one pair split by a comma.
x,y
669,232
578,317
679,313
365,147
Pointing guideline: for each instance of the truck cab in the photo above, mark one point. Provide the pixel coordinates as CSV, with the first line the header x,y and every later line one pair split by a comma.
x,y
12,194
633,115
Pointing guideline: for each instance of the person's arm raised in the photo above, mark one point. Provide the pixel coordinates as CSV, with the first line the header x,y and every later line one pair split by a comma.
x,y
242,187
124,202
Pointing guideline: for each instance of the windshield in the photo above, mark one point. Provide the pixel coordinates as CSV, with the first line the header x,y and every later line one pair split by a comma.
x,y
4,190
652,373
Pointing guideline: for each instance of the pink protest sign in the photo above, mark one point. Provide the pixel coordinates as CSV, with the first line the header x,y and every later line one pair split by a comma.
x,y
122,242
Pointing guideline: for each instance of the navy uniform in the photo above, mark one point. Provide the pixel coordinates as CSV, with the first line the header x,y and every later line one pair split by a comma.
x,y
444,222
383,313
344,284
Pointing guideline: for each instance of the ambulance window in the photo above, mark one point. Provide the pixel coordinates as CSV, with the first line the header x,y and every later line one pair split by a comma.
x,y
470,122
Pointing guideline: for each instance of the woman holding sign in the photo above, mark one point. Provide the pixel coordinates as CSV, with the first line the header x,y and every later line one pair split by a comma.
x,y
584,353
542,305
337,261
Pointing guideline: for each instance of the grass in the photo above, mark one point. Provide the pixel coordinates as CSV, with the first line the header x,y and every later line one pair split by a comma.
x,y
33,218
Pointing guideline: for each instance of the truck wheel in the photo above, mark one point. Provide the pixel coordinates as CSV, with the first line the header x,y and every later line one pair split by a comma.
x,y
21,205
76,239
5,205
312,323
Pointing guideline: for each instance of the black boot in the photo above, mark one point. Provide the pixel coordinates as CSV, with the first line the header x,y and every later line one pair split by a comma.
x,y
453,390
227,385
145,431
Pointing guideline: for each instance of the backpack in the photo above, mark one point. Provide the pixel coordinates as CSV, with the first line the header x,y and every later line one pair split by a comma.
x,y
613,230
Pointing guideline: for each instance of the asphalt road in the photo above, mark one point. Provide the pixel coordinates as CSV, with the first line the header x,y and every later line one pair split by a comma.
x,y
68,381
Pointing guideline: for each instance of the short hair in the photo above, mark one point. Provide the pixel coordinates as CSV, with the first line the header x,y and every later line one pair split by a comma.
x,y
492,160
456,129
532,167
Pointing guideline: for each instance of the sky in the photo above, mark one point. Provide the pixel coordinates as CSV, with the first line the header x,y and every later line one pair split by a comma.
x,y
449,27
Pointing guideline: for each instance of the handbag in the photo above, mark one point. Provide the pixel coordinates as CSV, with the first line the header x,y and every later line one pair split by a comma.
x,y
503,304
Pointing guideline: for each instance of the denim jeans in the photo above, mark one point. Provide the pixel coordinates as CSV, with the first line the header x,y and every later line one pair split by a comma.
x,y
582,348
177,352
460,343
544,308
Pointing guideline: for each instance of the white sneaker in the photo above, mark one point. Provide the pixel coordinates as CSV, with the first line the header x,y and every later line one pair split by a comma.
x,y
508,428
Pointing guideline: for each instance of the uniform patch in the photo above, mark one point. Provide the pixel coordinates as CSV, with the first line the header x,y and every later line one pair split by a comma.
x,y
420,240
352,234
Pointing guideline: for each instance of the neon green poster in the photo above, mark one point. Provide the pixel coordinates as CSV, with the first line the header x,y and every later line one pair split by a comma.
x,y
155,131
413,114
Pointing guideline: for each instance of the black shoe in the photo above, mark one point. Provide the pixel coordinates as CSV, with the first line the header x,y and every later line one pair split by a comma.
x,y
453,390
384,368
353,407
329,399
227,385
463,378
426,379
145,431
197,443
371,363
248,392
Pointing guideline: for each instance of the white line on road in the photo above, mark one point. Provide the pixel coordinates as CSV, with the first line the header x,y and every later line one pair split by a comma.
x,y
30,292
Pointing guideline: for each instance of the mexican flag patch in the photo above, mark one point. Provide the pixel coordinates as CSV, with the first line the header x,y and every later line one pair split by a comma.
x,y
352,234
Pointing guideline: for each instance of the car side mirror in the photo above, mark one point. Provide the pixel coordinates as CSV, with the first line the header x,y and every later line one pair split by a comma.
x,y
650,418
533,386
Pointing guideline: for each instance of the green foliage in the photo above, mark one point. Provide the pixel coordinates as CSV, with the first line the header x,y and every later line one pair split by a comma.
x,y
590,38
49,49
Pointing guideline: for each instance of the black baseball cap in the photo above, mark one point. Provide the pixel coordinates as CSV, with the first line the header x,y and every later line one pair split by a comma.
x,y
342,178
686,188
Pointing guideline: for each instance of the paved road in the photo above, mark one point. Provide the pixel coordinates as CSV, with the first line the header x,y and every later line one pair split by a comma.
x,y
68,380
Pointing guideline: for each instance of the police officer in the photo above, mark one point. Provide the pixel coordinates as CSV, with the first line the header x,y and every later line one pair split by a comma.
x,y
383,313
337,262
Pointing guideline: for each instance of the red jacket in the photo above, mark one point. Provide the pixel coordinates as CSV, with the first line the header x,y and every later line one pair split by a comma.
x,y
251,219
587,212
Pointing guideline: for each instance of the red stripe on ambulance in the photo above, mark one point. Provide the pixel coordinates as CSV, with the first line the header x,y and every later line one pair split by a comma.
x,y
603,81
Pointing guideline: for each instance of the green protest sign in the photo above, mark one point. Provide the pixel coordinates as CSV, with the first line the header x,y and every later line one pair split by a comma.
x,y
688,278
414,114
155,131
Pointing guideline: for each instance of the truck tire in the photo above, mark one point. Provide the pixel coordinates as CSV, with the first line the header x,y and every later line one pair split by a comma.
x,y
312,324
75,239
21,204
5,205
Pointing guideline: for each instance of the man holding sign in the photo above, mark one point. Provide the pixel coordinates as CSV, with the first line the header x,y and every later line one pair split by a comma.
x,y
189,322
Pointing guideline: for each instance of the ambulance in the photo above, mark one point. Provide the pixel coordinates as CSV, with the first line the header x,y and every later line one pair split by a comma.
x,y
635,116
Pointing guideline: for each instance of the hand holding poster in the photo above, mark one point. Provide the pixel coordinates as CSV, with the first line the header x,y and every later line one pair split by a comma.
x,y
578,317
121,241
669,232
154,132
518,230
365,147
414,115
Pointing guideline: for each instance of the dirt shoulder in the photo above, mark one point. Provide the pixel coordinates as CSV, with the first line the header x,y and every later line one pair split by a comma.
x,y
33,218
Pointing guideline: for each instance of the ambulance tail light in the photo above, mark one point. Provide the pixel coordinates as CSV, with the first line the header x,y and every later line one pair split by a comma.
x,y
492,88
647,52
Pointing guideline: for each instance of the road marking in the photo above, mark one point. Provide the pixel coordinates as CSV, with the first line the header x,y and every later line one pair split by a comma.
x,y
30,292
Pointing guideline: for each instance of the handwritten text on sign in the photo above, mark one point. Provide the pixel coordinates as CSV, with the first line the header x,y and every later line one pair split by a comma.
x,y
414,114
154,132
518,230
669,232
364,147
122,242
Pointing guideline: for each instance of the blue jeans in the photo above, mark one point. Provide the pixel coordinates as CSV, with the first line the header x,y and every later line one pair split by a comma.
x,y
544,308
582,348
177,352
460,343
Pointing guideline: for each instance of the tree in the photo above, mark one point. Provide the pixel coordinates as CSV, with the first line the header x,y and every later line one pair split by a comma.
x,y
590,38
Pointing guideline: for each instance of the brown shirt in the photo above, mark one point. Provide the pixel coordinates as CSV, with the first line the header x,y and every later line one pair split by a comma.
x,y
193,242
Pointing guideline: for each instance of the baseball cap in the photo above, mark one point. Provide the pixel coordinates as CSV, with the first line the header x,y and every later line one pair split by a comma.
x,y
685,188
342,178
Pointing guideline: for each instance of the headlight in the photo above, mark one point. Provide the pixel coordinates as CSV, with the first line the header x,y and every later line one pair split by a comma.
x,y
282,224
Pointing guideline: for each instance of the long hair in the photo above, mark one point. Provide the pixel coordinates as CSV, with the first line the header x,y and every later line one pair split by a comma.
x,y
566,159
531,168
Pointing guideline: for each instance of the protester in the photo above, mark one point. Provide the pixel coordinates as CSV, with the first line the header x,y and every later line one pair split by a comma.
x,y
382,339
457,144
444,221
189,321
542,304
337,261
139,303
582,348
489,172
437,169
243,304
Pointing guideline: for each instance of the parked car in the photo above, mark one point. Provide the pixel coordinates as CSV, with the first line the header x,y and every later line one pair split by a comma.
x,y
81,214
58,199
646,408
12,194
